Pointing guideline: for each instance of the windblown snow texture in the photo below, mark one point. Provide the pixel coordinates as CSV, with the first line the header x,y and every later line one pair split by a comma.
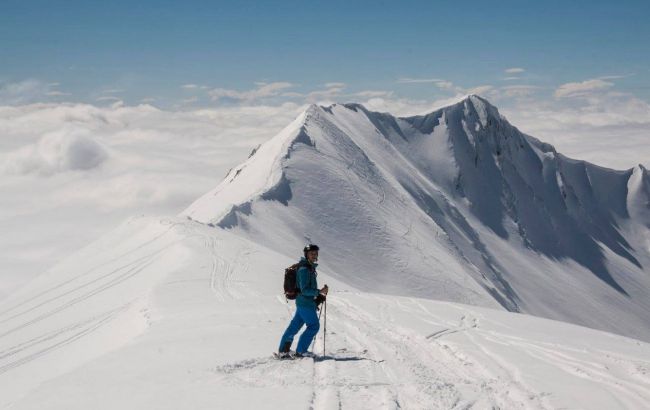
x,y
456,205
171,314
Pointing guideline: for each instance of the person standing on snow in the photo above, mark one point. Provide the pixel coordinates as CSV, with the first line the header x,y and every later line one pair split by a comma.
x,y
307,302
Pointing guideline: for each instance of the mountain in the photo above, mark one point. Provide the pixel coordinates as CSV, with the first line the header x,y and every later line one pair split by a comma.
x,y
456,205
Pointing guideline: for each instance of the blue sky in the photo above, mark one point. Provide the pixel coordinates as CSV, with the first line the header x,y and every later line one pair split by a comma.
x,y
149,49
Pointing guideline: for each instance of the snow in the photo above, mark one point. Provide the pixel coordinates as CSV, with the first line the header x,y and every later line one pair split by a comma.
x,y
206,312
480,108
434,230
256,176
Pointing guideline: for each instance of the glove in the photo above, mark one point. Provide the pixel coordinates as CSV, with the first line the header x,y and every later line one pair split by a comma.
x,y
320,299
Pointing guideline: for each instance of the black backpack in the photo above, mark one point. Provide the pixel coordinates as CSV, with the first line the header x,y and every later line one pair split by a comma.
x,y
291,289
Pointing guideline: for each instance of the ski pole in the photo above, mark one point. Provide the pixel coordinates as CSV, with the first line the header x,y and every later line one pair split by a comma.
x,y
324,325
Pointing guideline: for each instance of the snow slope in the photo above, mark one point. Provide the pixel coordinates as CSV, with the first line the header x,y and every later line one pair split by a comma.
x,y
171,314
457,205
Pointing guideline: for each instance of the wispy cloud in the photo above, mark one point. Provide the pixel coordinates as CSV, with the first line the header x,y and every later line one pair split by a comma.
x,y
327,95
444,84
263,90
447,86
481,89
335,85
519,90
419,80
613,77
514,70
374,94
56,93
27,91
292,94
107,98
190,100
583,88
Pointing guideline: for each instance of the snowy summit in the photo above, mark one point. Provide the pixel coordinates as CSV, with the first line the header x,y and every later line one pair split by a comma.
x,y
456,205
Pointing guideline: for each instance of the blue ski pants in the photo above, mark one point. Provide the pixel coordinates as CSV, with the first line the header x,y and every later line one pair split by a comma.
x,y
305,315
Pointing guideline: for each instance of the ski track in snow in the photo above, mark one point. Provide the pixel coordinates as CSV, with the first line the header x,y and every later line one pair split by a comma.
x,y
375,366
54,340
55,300
383,352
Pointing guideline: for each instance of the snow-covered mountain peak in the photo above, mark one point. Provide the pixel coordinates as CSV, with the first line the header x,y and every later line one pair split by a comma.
x,y
474,110
456,205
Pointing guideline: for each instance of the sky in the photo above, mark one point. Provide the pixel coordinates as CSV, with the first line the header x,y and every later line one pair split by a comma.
x,y
115,109
148,50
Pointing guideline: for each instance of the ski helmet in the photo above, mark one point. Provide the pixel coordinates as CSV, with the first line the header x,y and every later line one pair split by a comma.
x,y
310,247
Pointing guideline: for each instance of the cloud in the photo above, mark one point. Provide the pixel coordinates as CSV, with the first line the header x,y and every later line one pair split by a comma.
x,y
292,94
190,100
510,78
436,81
480,90
519,90
447,86
107,98
608,128
419,80
514,70
329,95
41,140
335,85
60,151
75,171
27,91
189,86
263,90
373,94
613,77
444,84
56,93
582,89
335,92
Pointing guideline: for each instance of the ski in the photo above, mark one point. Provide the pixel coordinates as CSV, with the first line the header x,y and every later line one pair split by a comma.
x,y
278,356
294,356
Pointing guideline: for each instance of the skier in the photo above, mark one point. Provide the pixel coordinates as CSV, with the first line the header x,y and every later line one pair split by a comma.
x,y
307,303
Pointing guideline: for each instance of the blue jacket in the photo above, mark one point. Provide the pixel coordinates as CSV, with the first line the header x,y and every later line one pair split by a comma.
x,y
306,281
